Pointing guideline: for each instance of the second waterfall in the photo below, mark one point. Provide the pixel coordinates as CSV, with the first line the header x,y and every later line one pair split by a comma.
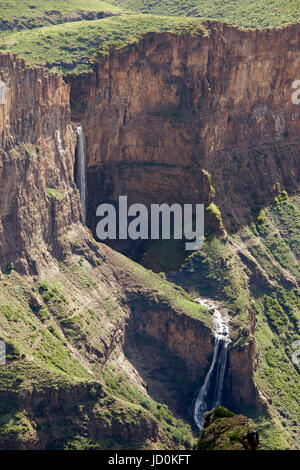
x,y
81,170
210,394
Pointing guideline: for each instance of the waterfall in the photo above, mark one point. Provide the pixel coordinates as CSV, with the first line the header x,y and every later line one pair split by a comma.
x,y
2,92
210,394
81,170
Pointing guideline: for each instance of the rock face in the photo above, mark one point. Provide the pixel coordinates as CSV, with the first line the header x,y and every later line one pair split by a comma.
x,y
184,337
223,430
240,392
159,113
37,143
50,415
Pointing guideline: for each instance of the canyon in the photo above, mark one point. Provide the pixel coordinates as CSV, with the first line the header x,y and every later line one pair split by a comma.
x,y
173,118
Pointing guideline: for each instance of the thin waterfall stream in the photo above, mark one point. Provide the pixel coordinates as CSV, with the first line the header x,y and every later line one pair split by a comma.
x,y
210,394
81,170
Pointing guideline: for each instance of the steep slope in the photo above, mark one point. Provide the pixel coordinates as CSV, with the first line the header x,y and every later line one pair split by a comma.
x,y
255,273
68,304
38,195
65,37
71,47
223,430
63,326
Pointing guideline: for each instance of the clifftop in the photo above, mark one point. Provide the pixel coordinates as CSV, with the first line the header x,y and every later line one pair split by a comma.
x,y
67,37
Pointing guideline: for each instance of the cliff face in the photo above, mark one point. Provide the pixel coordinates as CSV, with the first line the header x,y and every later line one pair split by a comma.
x,y
185,337
40,216
37,143
240,392
45,418
158,119
158,113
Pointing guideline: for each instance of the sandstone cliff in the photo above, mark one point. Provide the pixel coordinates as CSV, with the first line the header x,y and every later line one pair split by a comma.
x,y
162,111
37,147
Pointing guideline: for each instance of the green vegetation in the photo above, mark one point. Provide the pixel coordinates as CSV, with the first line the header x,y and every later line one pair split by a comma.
x,y
30,337
162,293
54,194
214,210
255,273
82,443
221,412
69,47
10,267
57,332
178,431
66,36
216,271
24,375
276,329
18,425
246,13
226,431
34,13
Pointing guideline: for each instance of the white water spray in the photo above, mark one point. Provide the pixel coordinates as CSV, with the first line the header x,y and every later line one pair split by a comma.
x,y
210,394
2,92
81,170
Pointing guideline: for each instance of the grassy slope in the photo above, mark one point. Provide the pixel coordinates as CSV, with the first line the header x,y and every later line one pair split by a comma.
x,y
68,47
119,386
43,11
219,270
63,342
246,13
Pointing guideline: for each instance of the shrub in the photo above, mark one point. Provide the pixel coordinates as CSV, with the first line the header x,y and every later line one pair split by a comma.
x,y
9,268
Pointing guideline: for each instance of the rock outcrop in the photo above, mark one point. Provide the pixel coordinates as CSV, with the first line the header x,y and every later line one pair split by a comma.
x,y
240,391
223,430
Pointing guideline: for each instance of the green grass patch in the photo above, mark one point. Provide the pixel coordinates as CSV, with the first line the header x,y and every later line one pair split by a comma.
x,y
34,13
178,431
70,47
246,13
54,194
165,294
